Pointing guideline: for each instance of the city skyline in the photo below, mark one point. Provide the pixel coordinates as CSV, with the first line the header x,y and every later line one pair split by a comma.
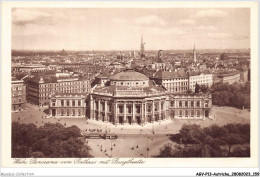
x,y
121,29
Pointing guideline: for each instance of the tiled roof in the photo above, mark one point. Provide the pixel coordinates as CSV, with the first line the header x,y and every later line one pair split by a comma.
x,y
170,75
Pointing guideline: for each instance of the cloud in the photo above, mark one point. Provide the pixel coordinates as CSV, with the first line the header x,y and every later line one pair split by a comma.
x,y
219,35
205,28
187,22
210,13
26,16
166,31
150,20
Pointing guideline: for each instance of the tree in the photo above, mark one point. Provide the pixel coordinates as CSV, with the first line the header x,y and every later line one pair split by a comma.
x,y
195,141
191,134
204,88
197,88
232,139
49,141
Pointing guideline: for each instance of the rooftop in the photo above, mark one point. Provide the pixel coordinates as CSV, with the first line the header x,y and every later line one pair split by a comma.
x,y
125,91
170,75
129,75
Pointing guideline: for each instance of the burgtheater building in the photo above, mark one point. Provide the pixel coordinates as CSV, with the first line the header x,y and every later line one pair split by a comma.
x,y
131,98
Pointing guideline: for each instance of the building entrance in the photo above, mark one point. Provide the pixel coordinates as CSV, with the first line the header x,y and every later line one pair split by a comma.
x,y
206,113
121,120
138,120
53,112
129,119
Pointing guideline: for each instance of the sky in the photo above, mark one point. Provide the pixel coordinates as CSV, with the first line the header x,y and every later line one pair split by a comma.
x,y
122,28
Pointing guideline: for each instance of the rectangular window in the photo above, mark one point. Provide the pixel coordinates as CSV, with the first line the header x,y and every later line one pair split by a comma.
x,y
192,103
103,106
53,102
198,103
79,102
62,102
156,107
198,113
172,103
149,108
180,113
186,113
62,112
68,102
180,103
109,107
192,113
79,112
186,104
138,109
121,109
129,108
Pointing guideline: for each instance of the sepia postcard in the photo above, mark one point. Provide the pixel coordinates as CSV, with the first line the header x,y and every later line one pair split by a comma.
x,y
129,84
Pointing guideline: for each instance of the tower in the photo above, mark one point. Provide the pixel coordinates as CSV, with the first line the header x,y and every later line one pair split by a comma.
x,y
142,48
194,54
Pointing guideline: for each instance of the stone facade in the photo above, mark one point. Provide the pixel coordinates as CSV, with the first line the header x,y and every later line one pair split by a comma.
x,y
131,110
67,105
18,94
193,106
39,89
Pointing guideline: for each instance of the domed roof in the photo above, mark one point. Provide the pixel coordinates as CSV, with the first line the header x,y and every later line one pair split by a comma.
x,y
129,75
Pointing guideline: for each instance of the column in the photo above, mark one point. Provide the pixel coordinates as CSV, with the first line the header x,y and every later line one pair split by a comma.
x,y
133,113
92,108
115,113
153,112
160,111
143,116
99,114
124,111
105,111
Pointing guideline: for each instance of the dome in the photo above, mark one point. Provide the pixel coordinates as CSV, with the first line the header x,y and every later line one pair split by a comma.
x,y
129,75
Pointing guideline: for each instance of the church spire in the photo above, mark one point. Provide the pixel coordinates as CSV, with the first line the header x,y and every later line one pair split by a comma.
x,y
194,54
142,47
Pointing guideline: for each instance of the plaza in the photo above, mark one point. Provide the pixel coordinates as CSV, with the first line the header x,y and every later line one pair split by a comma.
x,y
132,140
